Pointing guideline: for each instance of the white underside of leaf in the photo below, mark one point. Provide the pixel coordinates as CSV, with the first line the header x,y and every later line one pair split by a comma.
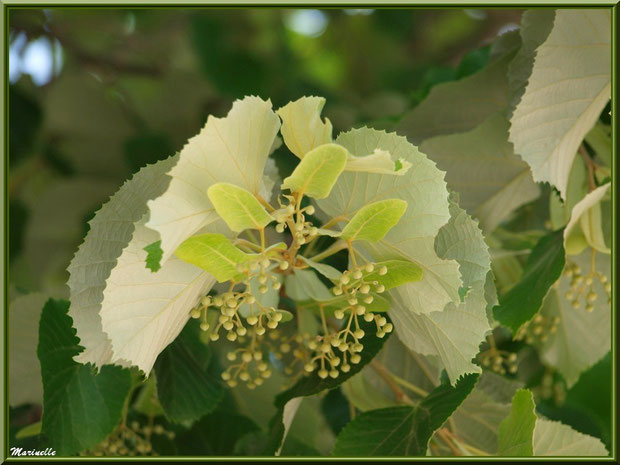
x,y
110,231
142,312
552,438
233,149
424,190
582,338
569,86
455,333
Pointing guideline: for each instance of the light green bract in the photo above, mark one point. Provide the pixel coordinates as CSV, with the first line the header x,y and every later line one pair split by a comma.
x,y
180,226
317,172
213,253
237,207
372,222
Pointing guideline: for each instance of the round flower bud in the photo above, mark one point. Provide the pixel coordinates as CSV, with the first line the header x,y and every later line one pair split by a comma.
x,y
258,381
252,320
370,268
325,347
313,231
228,325
214,337
225,376
257,355
368,299
195,313
334,362
246,357
356,358
285,348
283,266
250,299
262,366
380,288
241,331
312,345
337,290
360,310
357,274
231,356
265,262
260,331
339,314
388,328
381,321
280,227
204,326
265,374
333,373
232,383
310,210
309,367
344,279
263,289
352,301
231,336
244,376
359,333
383,270
322,373
272,324
345,368
368,317
343,346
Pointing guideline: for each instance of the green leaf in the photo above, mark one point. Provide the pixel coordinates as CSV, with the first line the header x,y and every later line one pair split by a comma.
x,y
213,253
153,257
403,431
517,430
305,285
185,387
29,431
569,86
599,138
380,161
587,413
312,384
398,273
233,149
460,106
543,268
481,166
80,407
372,222
215,434
302,128
317,172
554,439
590,329
237,207
379,304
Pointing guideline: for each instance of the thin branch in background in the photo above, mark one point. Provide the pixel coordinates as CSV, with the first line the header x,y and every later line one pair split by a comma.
x,y
591,167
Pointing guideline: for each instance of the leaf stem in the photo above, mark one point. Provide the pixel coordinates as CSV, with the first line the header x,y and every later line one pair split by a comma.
x,y
388,377
590,165
248,244
334,248
333,221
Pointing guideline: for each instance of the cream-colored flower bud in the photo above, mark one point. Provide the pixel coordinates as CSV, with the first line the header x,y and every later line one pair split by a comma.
x,y
357,274
246,357
204,326
383,270
339,314
310,210
284,266
345,368
337,290
231,336
231,356
195,313
323,373
359,333
364,288
333,373
356,358
368,316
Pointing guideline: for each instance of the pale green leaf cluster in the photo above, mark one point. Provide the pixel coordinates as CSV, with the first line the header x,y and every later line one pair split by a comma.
x,y
569,85
237,207
373,221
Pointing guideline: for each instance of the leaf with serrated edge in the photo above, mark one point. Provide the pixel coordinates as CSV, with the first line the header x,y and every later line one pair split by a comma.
x,y
481,166
143,312
455,333
403,431
213,253
317,172
80,407
553,439
373,221
110,231
569,86
517,429
153,257
302,128
413,238
543,268
237,207
592,330
586,219
238,145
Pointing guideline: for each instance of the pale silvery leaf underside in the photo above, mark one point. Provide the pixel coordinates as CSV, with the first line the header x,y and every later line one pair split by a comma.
x,y
233,149
569,86
553,439
110,231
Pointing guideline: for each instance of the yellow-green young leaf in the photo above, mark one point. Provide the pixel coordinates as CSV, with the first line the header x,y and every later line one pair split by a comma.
x,y
318,171
237,207
302,127
213,253
585,225
398,272
517,429
372,222
569,87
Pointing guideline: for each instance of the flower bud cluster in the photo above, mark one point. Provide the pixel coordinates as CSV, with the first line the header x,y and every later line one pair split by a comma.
x,y
132,440
551,388
247,364
538,329
499,361
582,287
335,351
288,216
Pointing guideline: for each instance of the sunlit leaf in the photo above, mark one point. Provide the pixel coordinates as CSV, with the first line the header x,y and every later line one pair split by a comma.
x,y
373,221
517,429
302,127
237,207
317,172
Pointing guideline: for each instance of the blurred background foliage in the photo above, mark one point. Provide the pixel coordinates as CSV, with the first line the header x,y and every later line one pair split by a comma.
x,y
95,94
